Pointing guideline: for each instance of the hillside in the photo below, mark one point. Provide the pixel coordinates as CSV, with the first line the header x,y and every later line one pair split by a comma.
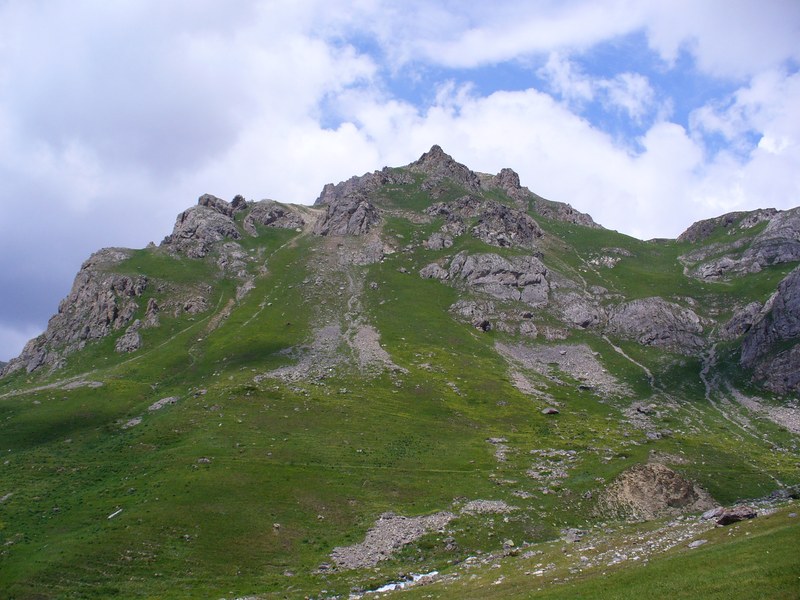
x,y
430,368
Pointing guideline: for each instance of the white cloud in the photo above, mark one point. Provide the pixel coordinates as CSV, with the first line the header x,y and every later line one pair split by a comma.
x,y
630,92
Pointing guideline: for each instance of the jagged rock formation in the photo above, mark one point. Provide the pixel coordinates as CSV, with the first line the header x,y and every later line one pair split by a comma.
x,y
777,323
442,171
657,322
99,303
362,186
197,229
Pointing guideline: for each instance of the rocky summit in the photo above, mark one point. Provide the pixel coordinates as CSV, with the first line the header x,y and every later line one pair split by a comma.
x,y
430,378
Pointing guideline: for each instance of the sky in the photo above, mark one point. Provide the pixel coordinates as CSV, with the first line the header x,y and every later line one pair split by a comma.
x,y
116,116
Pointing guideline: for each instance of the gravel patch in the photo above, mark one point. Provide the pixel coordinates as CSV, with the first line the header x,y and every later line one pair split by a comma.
x,y
577,361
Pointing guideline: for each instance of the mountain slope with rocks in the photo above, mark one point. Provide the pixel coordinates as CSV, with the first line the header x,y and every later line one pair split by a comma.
x,y
430,367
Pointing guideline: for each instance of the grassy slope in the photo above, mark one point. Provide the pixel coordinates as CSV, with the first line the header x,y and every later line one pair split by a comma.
x,y
753,559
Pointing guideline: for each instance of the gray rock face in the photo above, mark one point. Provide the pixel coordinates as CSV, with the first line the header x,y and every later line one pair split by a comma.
x,y
778,243
497,224
741,321
362,186
99,303
656,322
777,323
439,167
131,340
217,204
522,278
559,211
439,241
271,214
198,229
702,230
780,373
349,216
577,309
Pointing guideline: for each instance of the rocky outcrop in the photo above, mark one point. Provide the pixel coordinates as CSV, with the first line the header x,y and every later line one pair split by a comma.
x,y
197,229
268,213
362,186
560,211
439,168
741,321
650,491
778,243
576,309
351,215
219,205
99,303
522,278
507,180
657,322
764,345
131,340
702,230
497,224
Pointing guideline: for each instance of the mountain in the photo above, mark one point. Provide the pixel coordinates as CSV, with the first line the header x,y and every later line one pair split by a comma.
x,y
430,369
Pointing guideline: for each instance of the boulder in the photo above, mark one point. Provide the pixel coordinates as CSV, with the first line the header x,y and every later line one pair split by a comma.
x,y
728,516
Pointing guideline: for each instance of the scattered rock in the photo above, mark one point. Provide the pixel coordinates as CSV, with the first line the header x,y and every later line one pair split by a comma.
x,y
132,423
158,405
479,507
390,533
550,411
697,543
